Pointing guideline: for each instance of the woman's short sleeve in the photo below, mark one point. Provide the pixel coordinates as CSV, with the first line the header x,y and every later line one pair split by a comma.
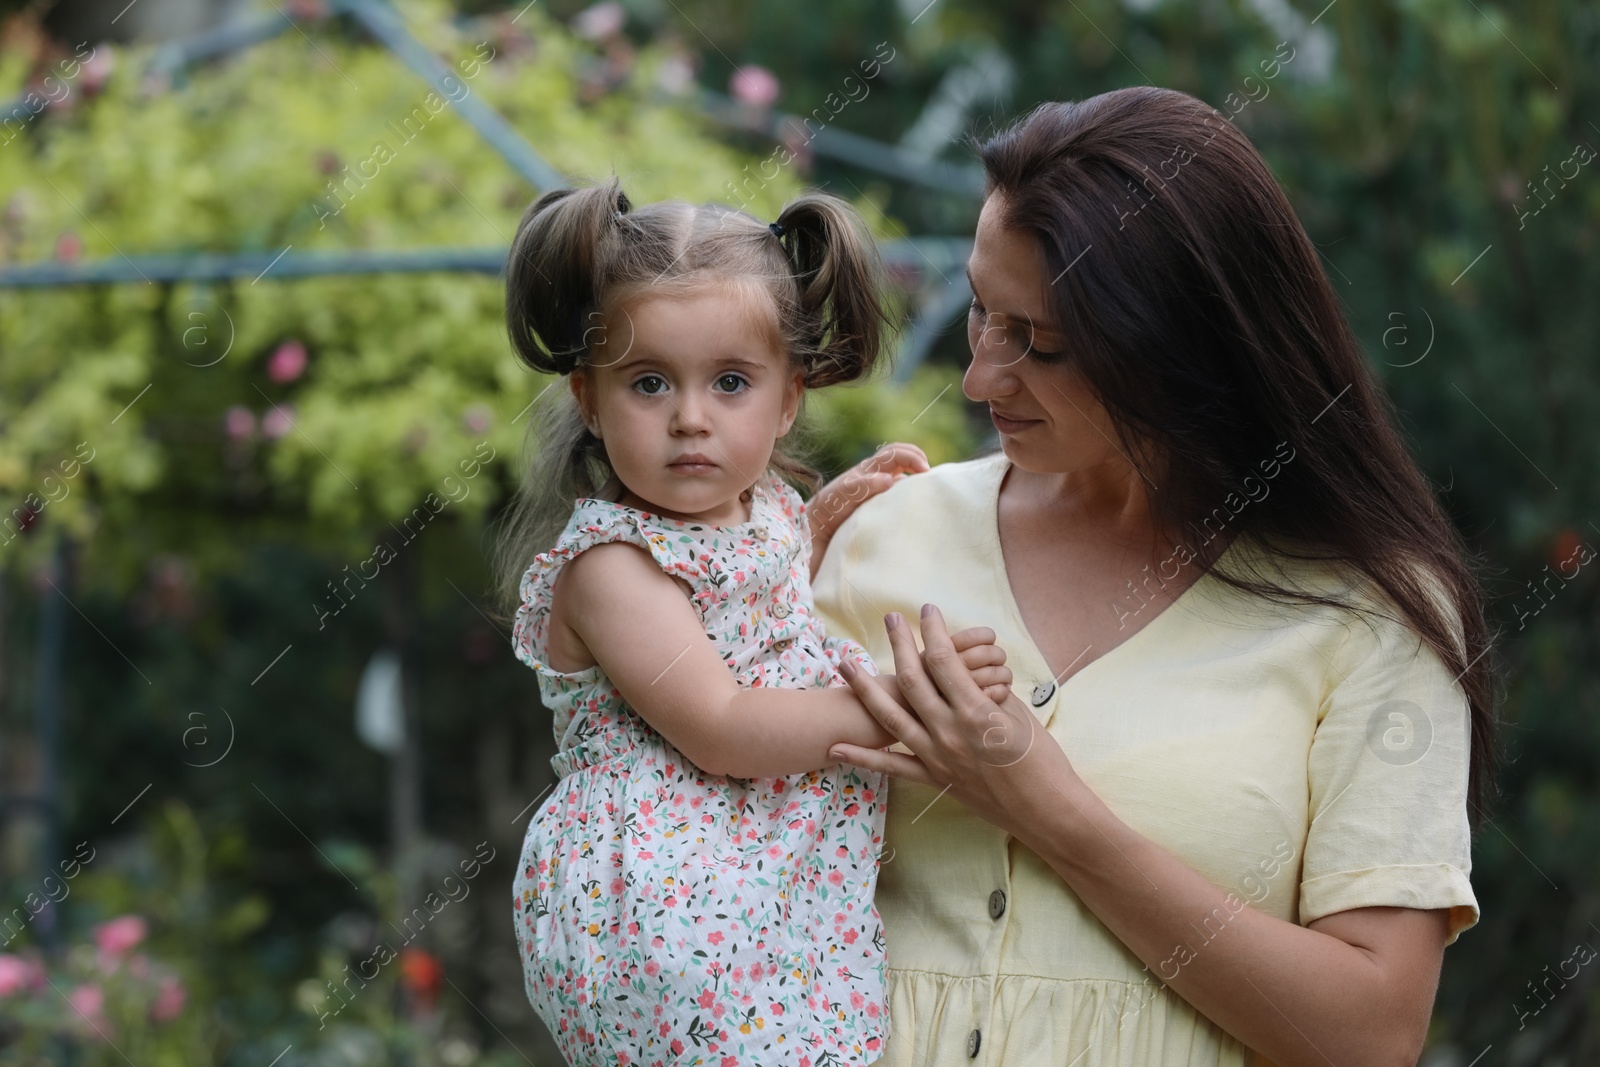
x,y
1388,772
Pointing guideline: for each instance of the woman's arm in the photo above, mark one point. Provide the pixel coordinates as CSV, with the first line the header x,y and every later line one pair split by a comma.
x,y
646,636
1355,987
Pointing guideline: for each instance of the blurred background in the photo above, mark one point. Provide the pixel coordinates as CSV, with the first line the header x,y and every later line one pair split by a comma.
x,y
258,712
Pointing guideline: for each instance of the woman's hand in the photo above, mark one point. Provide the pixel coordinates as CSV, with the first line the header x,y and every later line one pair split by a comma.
x,y
834,502
983,659
992,754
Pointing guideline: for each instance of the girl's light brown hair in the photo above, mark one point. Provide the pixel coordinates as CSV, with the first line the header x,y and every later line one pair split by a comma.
x,y
581,255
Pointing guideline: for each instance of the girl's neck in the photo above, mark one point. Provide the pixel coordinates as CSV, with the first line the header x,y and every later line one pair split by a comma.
x,y
618,493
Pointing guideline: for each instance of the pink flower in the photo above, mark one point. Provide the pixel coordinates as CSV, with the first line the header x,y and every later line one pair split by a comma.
x,y
288,362
753,85
477,418
97,68
17,973
89,1001
715,937
118,936
600,21
240,423
169,1001
278,421
69,246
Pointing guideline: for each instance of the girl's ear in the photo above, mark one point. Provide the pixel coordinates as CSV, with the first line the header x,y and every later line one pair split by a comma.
x,y
794,389
578,383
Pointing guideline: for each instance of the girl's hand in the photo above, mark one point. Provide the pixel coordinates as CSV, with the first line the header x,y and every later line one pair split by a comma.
x,y
834,502
983,659
993,755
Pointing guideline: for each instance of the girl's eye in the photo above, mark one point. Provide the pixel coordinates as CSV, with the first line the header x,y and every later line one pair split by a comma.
x,y
649,378
975,308
736,379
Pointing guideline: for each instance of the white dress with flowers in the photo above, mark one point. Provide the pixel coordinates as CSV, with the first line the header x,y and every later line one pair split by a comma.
x,y
672,918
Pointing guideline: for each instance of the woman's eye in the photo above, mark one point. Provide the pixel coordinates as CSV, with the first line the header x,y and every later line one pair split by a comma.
x,y
734,378
975,308
649,378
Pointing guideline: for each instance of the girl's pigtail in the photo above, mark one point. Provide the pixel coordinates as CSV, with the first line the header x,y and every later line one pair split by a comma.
x,y
564,246
842,287
553,273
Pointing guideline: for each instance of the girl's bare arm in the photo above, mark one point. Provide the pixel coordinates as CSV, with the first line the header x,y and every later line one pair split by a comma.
x,y
646,636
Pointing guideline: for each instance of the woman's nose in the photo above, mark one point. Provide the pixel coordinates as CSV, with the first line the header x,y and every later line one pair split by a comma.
x,y
989,370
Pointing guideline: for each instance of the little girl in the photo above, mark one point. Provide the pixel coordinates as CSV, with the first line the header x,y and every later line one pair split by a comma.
x,y
697,890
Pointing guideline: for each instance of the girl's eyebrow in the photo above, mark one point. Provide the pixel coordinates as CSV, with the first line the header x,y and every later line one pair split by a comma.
x,y
727,361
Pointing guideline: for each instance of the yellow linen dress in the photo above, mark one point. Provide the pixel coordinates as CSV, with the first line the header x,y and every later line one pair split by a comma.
x,y
1307,759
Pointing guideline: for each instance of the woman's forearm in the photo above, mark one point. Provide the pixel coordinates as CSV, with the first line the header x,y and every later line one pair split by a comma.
x,y
767,732
1295,995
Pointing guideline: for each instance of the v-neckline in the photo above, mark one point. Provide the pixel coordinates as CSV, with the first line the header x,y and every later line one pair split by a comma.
x,y
1014,609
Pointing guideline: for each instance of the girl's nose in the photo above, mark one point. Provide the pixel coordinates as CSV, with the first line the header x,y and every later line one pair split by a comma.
x,y
689,416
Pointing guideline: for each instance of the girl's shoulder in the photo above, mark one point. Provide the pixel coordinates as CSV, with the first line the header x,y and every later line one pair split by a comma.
x,y
694,551
674,546
597,522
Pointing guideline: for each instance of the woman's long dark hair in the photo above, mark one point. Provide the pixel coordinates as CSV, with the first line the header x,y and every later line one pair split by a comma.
x,y
1202,319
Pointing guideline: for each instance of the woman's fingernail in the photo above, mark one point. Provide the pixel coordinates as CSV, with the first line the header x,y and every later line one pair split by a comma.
x,y
927,609
847,669
834,753
892,619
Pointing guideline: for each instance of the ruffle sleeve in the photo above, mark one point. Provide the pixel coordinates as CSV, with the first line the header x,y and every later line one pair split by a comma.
x,y
594,523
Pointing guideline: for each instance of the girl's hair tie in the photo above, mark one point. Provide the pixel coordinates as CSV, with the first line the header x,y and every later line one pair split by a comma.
x,y
776,228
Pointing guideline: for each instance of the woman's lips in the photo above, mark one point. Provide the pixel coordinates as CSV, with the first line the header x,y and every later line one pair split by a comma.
x,y
1005,425
693,468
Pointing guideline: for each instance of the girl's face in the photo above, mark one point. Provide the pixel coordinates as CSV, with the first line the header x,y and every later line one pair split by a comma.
x,y
1062,427
688,392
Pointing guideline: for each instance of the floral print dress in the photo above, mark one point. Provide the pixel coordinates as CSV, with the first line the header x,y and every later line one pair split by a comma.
x,y
671,918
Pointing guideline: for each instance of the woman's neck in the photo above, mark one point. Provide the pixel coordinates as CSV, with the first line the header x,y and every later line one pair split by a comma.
x,y
1108,497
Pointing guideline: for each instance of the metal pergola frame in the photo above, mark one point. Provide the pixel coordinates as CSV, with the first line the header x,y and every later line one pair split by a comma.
x,y
945,256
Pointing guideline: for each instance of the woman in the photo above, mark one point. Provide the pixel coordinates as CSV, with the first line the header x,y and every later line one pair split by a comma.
x,y
1223,818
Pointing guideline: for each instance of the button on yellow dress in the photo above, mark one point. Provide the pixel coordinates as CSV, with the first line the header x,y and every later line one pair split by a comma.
x,y
1307,759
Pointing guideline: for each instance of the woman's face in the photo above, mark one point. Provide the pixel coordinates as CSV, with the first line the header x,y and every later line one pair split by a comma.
x,y
1064,428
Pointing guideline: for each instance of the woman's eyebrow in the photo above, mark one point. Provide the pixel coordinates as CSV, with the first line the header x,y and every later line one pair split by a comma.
x,y
1037,327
